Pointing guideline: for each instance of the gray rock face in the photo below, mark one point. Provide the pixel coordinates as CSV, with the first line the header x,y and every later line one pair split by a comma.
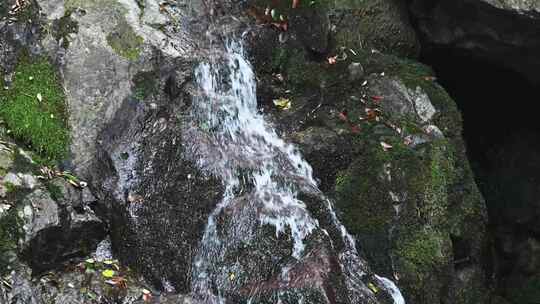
x,y
502,31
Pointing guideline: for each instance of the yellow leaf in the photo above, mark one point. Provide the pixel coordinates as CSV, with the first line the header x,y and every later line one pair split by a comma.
x,y
108,273
283,103
373,287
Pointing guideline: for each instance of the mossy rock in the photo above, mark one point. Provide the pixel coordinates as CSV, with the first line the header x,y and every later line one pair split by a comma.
x,y
34,108
375,24
125,42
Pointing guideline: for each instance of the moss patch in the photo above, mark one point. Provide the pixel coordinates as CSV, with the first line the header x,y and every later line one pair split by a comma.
x,y
125,42
421,252
40,124
55,191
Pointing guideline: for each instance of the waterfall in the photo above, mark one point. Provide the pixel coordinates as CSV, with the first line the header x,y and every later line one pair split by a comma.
x,y
233,141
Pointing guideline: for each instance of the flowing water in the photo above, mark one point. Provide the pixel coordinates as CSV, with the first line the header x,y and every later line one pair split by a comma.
x,y
235,143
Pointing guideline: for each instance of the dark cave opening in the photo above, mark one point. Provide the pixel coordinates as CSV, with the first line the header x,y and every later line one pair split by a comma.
x,y
501,131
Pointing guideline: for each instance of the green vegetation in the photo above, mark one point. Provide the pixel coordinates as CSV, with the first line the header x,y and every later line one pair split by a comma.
x,y
125,42
34,108
55,191
421,252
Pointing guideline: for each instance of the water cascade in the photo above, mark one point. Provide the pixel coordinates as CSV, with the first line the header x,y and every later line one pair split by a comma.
x,y
266,176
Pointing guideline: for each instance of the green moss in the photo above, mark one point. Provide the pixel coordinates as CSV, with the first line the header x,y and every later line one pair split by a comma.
x,y
300,71
10,232
55,191
125,42
10,188
421,252
362,198
40,124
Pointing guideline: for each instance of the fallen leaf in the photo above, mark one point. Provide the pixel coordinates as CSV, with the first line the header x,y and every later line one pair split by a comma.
x,y
371,114
147,295
377,98
274,14
39,97
146,291
283,103
386,146
373,287
107,273
332,59
343,116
